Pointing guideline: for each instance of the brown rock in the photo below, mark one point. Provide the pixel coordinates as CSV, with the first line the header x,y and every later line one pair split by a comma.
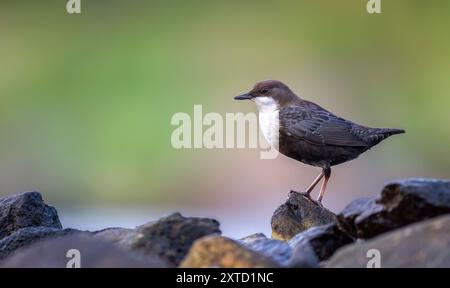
x,y
222,252
298,214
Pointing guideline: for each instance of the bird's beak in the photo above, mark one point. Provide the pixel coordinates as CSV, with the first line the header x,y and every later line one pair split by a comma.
x,y
245,96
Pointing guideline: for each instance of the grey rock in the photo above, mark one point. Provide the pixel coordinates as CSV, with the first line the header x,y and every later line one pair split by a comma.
x,y
352,217
298,214
401,202
168,238
317,244
305,250
278,250
303,256
421,245
26,236
114,235
94,253
26,210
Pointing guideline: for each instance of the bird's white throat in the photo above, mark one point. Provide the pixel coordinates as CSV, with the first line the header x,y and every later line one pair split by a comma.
x,y
269,122
266,104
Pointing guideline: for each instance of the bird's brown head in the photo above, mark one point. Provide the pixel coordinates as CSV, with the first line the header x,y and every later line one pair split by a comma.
x,y
269,93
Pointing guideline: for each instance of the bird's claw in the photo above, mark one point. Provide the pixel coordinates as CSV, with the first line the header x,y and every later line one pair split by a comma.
x,y
319,203
306,195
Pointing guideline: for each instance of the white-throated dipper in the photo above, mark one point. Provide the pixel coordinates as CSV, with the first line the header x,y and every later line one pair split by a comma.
x,y
308,133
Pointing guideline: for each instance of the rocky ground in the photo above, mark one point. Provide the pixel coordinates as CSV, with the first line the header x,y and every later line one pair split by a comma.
x,y
407,225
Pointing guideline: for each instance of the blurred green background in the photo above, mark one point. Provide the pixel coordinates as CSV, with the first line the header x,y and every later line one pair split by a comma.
x,y
86,101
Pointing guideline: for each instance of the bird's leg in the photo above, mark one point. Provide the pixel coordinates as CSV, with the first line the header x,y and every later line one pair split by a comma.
x,y
327,173
311,187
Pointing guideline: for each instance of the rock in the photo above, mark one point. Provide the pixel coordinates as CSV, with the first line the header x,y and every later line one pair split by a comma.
x,y
26,210
279,251
351,217
424,244
303,256
26,236
317,244
401,203
305,250
298,214
94,253
222,252
114,235
168,238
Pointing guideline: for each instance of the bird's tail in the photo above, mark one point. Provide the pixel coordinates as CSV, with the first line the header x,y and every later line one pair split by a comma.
x,y
376,135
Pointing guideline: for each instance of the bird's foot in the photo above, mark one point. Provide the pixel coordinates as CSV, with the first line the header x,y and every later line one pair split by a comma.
x,y
319,203
306,195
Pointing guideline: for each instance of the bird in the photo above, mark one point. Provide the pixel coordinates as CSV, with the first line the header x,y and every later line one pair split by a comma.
x,y
306,132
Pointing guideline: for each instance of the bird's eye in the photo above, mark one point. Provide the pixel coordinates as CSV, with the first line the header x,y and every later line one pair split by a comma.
x,y
264,91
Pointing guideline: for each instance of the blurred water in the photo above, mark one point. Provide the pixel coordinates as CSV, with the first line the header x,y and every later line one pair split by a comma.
x,y
234,225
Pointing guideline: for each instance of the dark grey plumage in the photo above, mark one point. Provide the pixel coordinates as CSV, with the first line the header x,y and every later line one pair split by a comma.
x,y
311,134
315,136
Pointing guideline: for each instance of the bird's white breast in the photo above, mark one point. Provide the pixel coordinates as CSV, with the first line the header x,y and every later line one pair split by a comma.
x,y
269,122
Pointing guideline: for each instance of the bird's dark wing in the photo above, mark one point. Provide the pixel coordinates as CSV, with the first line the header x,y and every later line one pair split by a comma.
x,y
314,124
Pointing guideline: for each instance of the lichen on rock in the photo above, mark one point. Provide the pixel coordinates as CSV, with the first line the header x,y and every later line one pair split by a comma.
x,y
298,214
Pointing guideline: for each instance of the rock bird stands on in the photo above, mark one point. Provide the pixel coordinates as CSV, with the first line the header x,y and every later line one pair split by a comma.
x,y
308,133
